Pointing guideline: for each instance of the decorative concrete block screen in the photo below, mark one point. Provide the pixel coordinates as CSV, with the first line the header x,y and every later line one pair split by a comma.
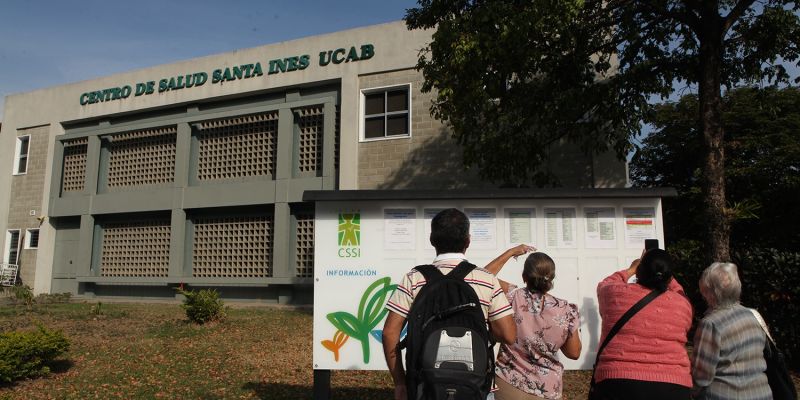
x,y
237,147
74,175
232,247
310,121
135,249
304,250
144,157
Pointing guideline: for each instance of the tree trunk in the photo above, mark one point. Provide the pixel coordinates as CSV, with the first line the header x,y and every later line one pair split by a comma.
x,y
709,84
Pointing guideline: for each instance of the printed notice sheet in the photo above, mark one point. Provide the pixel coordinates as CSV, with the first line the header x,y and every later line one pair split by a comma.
x,y
428,215
560,227
400,229
520,226
640,224
600,232
482,227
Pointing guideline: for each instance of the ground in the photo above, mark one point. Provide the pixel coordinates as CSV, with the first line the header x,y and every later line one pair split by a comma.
x,y
150,351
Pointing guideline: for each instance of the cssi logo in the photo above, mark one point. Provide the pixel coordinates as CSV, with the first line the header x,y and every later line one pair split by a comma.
x,y
349,235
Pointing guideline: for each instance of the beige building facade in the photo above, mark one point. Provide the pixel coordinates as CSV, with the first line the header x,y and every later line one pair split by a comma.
x,y
193,173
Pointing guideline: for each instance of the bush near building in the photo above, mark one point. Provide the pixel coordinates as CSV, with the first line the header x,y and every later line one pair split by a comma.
x,y
202,305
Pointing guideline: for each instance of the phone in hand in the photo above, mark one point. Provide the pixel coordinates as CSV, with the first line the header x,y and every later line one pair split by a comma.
x,y
650,244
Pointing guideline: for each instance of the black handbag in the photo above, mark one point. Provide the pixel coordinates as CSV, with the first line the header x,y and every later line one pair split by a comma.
x,y
593,394
778,375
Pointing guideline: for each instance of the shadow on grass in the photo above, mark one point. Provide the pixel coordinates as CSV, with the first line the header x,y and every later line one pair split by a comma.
x,y
61,366
282,391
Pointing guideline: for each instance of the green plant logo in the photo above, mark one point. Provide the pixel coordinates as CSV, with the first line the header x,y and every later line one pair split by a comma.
x,y
371,311
349,229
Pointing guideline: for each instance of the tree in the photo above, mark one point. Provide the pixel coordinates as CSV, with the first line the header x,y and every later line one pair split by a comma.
x,y
514,77
762,137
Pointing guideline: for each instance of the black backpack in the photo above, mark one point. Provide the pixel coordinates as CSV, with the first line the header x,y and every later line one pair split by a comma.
x,y
448,349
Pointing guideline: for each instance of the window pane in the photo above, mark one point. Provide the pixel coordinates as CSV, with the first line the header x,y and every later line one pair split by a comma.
x,y
397,100
13,246
373,128
23,165
373,103
23,146
397,125
33,238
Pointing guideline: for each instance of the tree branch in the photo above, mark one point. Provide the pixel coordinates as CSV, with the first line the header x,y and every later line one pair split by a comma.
x,y
735,14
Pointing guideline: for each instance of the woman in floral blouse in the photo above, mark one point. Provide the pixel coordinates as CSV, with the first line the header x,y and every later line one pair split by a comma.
x,y
530,368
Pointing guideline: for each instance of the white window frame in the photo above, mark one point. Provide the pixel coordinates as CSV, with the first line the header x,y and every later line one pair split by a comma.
x,y
28,238
7,247
363,117
18,156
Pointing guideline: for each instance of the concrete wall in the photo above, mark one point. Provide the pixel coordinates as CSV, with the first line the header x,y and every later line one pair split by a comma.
x,y
428,159
26,197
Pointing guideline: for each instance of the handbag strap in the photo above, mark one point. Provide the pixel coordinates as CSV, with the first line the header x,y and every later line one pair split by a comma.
x,y
621,322
762,323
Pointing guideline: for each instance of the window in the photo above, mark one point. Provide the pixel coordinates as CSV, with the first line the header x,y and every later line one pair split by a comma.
x,y
387,112
11,253
32,239
21,155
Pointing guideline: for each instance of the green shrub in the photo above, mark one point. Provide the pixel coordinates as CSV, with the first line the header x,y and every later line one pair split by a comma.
x,y
202,305
23,294
770,283
28,354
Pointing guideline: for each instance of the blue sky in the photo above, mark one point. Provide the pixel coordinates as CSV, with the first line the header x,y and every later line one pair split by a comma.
x,y
45,43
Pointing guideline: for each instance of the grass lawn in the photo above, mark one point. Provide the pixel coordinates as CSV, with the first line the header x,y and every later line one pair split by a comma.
x,y
150,351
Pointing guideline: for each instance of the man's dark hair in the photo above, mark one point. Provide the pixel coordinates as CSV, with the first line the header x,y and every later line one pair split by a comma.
x,y
450,231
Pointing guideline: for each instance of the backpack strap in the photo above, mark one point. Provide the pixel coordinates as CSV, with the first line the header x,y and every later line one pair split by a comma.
x,y
430,272
621,322
462,270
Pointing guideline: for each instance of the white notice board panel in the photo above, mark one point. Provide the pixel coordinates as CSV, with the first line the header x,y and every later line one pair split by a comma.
x,y
362,249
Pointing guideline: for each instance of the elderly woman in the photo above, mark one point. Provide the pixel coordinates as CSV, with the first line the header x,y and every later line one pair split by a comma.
x,y
530,369
647,358
728,360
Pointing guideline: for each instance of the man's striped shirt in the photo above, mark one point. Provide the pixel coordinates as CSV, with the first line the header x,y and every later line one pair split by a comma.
x,y
493,301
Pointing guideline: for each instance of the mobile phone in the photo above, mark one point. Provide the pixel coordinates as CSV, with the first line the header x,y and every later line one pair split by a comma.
x,y
650,244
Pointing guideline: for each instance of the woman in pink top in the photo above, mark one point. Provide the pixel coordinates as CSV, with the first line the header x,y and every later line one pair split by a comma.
x,y
530,369
647,358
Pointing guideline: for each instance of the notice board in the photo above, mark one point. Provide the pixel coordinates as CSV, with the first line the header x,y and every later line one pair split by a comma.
x,y
364,247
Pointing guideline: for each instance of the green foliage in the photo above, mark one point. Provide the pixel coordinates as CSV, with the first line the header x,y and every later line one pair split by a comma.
x,y
28,354
23,294
515,78
762,139
770,284
96,309
202,305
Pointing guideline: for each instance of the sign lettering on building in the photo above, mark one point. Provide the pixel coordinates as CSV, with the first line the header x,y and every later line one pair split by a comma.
x,y
227,74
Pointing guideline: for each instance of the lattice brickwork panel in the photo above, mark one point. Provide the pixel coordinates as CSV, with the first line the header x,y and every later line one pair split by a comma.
x,y
311,122
232,247
237,147
74,175
145,157
304,250
135,249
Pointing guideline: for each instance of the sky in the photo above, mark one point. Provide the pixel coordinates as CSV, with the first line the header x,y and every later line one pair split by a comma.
x,y
46,43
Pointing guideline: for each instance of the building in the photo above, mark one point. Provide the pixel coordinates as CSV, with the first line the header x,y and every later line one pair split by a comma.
x,y
193,172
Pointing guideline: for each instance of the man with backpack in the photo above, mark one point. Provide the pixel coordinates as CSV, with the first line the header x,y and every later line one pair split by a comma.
x,y
447,306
